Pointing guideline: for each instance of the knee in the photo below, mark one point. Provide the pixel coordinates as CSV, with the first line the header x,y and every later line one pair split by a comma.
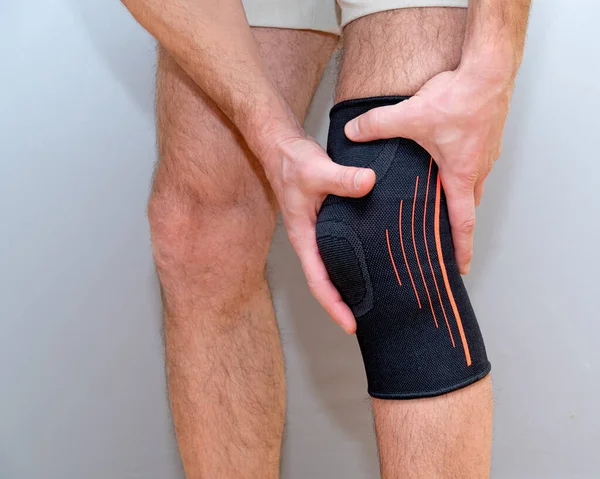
x,y
208,238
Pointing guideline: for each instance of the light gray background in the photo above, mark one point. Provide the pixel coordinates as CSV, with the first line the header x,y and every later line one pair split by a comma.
x,y
82,392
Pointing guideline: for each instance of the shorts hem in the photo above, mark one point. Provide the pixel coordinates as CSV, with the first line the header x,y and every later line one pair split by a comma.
x,y
328,17
351,13
293,26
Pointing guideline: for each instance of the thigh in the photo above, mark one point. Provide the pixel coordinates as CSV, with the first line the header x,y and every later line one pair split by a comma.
x,y
395,52
205,166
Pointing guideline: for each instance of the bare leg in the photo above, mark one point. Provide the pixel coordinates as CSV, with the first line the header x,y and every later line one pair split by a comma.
x,y
395,53
212,216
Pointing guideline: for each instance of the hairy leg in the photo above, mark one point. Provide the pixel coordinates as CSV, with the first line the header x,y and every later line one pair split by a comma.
x,y
212,215
449,436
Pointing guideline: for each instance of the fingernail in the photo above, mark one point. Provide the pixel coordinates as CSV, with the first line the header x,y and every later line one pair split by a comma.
x,y
357,178
467,269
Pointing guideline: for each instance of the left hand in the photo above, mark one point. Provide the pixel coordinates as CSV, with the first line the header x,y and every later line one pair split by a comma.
x,y
458,117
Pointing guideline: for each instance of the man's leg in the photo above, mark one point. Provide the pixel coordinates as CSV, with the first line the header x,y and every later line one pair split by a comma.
x,y
449,436
212,215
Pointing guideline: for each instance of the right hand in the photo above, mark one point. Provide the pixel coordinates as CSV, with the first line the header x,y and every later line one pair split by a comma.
x,y
302,175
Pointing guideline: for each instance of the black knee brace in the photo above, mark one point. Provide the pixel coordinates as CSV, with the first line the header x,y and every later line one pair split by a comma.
x,y
391,257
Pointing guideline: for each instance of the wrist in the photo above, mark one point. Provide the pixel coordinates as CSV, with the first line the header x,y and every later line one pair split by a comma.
x,y
497,63
264,121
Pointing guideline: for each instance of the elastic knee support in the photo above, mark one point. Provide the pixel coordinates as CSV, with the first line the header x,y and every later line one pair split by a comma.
x,y
391,257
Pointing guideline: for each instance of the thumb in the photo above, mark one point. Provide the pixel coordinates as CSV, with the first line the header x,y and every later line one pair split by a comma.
x,y
349,181
385,122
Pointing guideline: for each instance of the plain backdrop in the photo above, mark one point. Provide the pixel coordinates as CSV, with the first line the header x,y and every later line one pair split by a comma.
x,y
82,389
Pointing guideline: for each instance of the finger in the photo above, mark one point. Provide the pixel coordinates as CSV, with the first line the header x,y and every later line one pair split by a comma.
x,y
460,198
318,280
391,121
479,189
327,177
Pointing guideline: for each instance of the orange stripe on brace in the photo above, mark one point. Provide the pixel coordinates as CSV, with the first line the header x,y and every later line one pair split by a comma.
x,y
404,254
429,257
387,238
438,244
417,254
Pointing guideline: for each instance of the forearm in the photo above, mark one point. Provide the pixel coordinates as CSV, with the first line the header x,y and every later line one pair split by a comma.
x,y
495,37
213,43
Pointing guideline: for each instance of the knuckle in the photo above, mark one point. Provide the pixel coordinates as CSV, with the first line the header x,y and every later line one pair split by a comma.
x,y
372,121
463,172
368,123
467,225
464,187
461,187
467,176
379,122
343,178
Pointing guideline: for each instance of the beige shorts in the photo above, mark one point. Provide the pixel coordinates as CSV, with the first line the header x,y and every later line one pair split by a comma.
x,y
326,15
